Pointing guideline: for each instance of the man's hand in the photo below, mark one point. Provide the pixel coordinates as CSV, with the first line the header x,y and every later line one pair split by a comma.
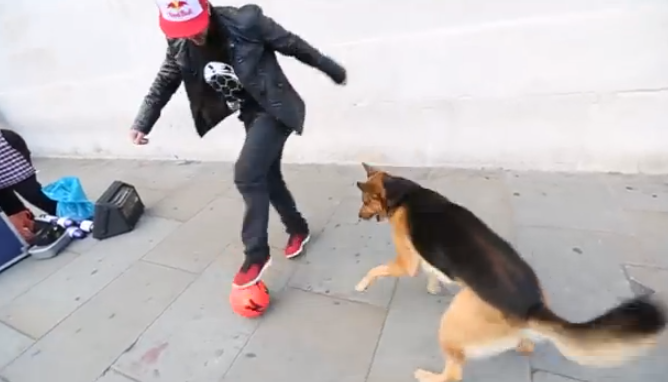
x,y
138,138
335,71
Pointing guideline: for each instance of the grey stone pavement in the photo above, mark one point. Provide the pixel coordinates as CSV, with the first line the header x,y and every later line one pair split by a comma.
x,y
152,305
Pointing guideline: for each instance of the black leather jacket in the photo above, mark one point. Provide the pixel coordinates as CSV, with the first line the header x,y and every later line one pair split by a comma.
x,y
253,40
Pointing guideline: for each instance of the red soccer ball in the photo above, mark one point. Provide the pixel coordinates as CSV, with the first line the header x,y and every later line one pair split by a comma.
x,y
250,302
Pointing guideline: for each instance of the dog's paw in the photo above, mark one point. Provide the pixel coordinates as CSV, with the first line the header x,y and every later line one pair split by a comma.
x,y
525,347
434,286
362,285
424,375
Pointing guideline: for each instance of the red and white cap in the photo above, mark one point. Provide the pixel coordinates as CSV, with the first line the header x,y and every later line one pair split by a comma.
x,y
183,18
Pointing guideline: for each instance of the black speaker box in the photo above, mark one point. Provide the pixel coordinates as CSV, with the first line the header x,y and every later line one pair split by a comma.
x,y
117,211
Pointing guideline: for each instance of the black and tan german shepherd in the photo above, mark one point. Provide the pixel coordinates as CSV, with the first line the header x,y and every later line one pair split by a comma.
x,y
501,304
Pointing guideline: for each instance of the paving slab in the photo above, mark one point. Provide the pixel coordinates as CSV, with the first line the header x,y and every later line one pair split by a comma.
x,y
410,340
24,275
505,367
645,193
13,344
111,376
542,376
199,336
581,272
340,258
41,308
323,173
185,202
222,172
650,229
156,175
409,337
311,338
86,343
648,280
194,245
651,367
579,201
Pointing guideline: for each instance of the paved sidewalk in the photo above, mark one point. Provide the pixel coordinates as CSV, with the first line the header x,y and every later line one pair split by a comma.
x,y
152,305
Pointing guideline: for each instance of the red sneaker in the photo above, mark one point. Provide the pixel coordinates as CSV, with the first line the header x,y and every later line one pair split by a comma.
x,y
296,245
250,273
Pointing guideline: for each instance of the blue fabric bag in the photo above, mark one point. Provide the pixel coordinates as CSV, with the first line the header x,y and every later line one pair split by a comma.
x,y
72,200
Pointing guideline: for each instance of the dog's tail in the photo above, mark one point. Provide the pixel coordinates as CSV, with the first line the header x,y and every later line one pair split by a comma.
x,y
616,336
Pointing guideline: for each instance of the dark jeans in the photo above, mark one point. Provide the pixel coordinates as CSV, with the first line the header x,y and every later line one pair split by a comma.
x,y
31,190
258,177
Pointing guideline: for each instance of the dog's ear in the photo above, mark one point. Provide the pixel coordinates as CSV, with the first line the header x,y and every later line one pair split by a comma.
x,y
396,189
364,187
370,170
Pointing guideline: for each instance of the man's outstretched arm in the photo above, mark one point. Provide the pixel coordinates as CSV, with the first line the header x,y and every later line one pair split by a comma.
x,y
166,82
289,44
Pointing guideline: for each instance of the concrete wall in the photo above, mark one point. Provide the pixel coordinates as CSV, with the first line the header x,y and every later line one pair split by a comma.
x,y
541,84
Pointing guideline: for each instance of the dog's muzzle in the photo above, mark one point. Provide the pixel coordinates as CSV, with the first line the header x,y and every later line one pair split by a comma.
x,y
368,217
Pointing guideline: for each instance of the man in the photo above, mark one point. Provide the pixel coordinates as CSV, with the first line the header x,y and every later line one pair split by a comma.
x,y
225,57
17,175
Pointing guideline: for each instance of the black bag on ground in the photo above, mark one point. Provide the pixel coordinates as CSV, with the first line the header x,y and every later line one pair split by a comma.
x,y
117,211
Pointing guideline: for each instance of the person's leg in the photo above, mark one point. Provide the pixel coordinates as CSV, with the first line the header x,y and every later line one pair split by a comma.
x,y
10,204
264,142
284,203
31,190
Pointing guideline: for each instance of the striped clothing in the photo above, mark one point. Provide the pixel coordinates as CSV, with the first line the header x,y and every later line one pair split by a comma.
x,y
14,167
